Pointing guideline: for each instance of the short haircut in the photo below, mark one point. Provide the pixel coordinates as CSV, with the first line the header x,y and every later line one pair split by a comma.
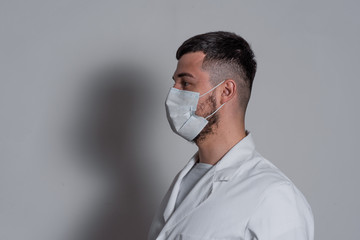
x,y
227,56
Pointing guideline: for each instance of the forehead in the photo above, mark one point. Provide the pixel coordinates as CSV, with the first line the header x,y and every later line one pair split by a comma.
x,y
190,63
191,59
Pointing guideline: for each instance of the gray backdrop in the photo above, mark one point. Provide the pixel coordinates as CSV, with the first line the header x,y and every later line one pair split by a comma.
x,y
86,150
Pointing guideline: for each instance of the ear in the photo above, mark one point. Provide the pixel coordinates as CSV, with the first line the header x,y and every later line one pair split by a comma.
x,y
228,91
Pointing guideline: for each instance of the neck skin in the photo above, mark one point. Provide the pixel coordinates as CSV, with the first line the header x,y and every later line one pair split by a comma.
x,y
230,130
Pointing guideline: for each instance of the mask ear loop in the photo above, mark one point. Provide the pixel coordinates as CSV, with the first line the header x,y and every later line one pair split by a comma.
x,y
212,89
216,110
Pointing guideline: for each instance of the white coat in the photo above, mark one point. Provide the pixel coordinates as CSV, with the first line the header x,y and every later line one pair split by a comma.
x,y
241,197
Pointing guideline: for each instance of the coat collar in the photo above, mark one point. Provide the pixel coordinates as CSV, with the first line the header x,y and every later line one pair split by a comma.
x,y
223,171
227,167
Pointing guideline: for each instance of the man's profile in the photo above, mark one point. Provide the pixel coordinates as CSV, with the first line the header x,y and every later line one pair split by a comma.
x,y
227,190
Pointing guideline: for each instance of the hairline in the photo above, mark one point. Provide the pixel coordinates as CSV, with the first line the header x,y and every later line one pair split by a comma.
x,y
209,65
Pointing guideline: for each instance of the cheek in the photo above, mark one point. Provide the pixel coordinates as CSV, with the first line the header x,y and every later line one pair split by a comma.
x,y
205,106
201,107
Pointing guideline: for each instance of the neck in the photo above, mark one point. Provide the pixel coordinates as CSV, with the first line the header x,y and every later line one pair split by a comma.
x,y
216,145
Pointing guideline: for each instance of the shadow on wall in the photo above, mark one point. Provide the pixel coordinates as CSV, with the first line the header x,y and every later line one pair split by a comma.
x,y
114,131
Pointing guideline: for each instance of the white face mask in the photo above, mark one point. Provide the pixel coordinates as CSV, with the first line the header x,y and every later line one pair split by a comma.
x,y
180,111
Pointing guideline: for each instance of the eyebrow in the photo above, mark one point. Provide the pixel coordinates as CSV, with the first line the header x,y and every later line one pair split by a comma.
x,y
183,75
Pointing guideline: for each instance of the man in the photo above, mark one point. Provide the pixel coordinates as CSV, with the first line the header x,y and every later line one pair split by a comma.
x,y
227,190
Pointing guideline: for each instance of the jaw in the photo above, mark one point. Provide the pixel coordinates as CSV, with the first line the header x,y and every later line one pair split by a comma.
x,y
209,129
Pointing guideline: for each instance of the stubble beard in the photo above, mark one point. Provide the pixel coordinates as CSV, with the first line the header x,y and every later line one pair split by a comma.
x,y
210,128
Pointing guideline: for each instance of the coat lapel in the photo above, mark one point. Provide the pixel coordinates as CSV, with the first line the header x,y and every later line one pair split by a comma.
x,y
198,195
169,209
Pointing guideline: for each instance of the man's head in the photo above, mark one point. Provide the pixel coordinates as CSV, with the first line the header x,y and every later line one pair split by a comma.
x,y
227,56
208,59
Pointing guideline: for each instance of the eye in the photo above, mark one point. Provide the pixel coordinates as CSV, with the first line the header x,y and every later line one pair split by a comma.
x,y
185,84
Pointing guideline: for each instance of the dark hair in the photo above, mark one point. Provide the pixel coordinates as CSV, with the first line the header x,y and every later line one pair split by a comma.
x,y
227,55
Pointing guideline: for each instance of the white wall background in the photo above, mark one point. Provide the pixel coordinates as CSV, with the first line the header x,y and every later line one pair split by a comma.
x,y
86,150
